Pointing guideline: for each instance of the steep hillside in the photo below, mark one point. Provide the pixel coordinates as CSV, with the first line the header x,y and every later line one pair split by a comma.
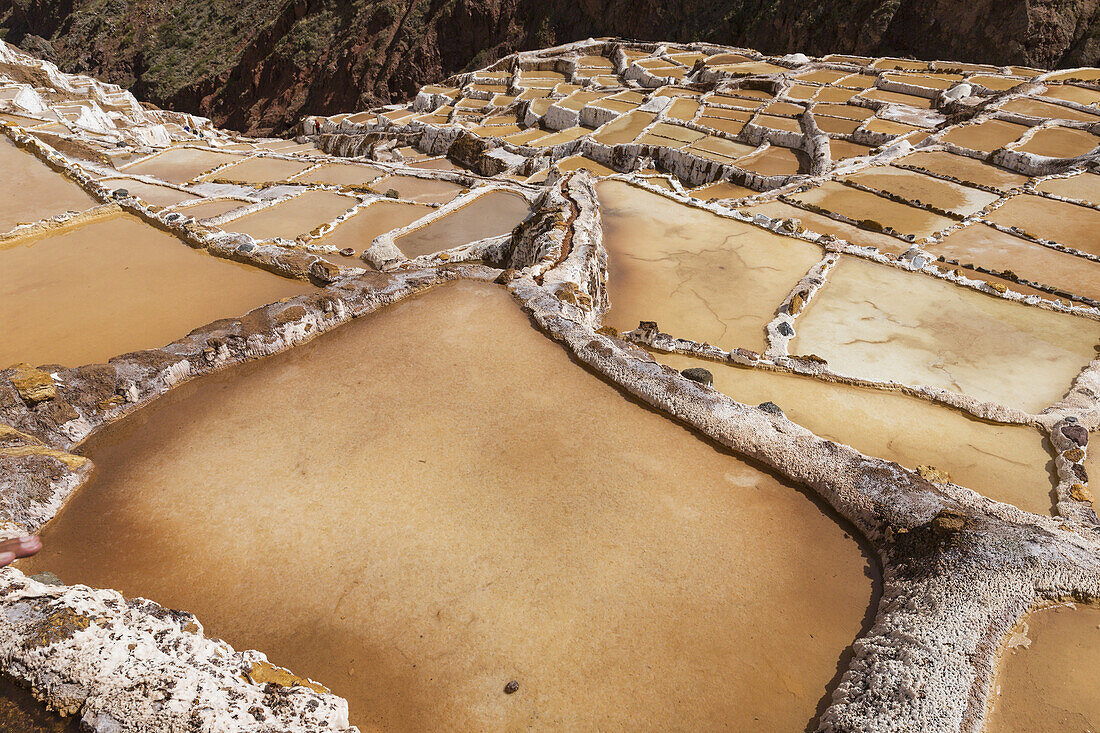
x,y
257,65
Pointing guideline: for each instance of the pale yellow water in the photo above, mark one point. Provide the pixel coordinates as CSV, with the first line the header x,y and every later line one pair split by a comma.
x,y
965,169
913,186
862,205
1046,110
376,219
700,276
878,322
1069,224
262,170
986,136
341,174
115,286
983,245
824,225
292,217
210,209
1004,462
421,190
427,530
1060,142
490,214
40,192
150,193
775,161
1083,187
179,165
1053,685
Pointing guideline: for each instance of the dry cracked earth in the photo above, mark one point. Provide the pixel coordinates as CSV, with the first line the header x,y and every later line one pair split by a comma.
x,y
614,386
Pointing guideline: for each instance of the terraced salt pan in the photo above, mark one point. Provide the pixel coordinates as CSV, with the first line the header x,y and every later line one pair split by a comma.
x,y
983,245
878,322
913,186
1053,683
965,169
116,286
210,209
179,165
1060,142
824,225
700,276
862,205
149,192
422,190
623,129
1069,224
775,161
375,219
292,217
492,213
517,519
41,192
1003,462
1043,110
1083,187
262,170
341,174
986,136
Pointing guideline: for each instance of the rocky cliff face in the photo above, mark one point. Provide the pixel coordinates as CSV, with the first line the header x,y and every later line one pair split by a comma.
x,y
258,65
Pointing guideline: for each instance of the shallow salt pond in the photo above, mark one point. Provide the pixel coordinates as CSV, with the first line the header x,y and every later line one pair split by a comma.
x,y
421,190
372,221
986,136
262,170
149,192
914,186
1069,224
1060,142
486,511
862,205
983,245
179,165
878,322
40,193
211,209
118,285
292,217
1053,684
1083,187
822,224
700,276
341,174
490,214
1004,462
965,169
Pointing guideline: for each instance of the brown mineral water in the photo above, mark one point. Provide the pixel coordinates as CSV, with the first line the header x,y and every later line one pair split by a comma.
x,y
40,193
882,323
118,285
491,214
1053,683
699,275
434,501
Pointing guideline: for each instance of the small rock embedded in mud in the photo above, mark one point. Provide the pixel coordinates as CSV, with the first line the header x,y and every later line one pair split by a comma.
x,y
47,578
348,252
770,408
246,247
785,329
511,687
1077,434
120,193
702,376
